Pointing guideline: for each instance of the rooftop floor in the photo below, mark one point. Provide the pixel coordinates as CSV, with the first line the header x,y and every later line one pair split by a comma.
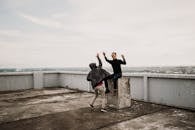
x,y
60,109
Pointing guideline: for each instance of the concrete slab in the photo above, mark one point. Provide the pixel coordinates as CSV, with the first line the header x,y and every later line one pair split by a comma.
x,y
62,109
169,119
122,98
32,103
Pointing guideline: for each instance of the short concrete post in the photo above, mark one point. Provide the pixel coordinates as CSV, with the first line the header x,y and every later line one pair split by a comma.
x,y
122,99
145,88
38,80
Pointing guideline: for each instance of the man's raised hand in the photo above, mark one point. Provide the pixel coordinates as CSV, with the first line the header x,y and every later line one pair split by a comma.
x,y
104,53
123,56
97,55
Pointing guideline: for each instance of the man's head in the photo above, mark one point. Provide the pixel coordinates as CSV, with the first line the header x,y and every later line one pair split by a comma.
x,y
92,65
113,55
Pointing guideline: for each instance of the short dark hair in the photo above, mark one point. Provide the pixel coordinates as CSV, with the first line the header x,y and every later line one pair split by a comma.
x,y
114,52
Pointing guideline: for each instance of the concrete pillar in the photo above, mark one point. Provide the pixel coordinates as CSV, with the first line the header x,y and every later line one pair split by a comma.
x,y
122,99
38,80
145,88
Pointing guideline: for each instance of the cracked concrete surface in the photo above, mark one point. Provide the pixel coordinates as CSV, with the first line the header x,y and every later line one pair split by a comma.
x,y
60,109
33,103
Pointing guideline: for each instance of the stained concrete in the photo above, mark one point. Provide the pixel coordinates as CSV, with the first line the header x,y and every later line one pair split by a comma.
x,y
171,119
32,103
121,98
63,109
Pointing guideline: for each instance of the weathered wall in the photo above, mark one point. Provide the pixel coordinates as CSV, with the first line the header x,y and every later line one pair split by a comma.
x,y
169,89
51,80
173,92
16,81
74,81
137,90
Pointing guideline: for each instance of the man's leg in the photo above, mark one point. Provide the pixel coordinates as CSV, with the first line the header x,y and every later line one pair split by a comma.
x,y
115,80
106,82
106,86
95,97
103,98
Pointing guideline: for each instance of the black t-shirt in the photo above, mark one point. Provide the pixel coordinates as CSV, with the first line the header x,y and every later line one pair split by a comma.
x,y
116,65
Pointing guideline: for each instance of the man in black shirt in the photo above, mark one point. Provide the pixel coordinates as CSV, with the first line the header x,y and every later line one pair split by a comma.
x,y
116,66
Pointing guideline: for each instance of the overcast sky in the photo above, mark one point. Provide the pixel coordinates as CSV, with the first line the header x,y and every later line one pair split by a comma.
x,y
69,33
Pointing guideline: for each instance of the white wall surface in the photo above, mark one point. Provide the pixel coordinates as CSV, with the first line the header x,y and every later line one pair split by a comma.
x,y
168,89
174,92
16,82
75,81
51,80
136,87
38,80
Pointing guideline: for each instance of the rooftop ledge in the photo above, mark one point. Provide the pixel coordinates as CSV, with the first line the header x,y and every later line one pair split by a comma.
x,y
150,75
168,89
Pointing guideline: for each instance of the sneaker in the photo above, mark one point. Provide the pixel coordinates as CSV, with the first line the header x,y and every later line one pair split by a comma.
x,y
103,110
91,105
107,91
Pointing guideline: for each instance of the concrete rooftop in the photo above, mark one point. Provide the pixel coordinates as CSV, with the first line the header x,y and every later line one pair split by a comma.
x,y
64,109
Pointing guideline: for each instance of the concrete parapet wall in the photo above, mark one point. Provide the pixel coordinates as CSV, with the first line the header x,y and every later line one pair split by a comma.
x,y
16,81
168,89
137,90
51,80
38,80
173,92
75,81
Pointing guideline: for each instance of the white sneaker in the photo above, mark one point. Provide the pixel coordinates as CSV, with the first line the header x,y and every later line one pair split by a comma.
x,y
103,110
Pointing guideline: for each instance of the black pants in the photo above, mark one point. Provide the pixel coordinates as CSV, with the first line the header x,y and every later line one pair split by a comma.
x,y
114,77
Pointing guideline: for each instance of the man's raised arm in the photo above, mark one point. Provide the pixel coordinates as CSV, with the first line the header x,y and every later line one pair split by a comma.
x,y
123,61
109,61
99,60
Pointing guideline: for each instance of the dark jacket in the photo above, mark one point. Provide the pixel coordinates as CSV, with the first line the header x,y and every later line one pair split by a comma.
x,y
116,65
97,74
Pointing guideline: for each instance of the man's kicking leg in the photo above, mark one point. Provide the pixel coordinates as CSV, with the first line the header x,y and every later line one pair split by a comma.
x,y
106,82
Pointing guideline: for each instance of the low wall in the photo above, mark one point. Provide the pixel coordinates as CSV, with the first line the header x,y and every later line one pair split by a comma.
x,y
75,81
173,92
168,89
51,79
16,81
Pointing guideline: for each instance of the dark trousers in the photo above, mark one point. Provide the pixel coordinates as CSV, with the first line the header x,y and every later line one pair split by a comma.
x,y
113,77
